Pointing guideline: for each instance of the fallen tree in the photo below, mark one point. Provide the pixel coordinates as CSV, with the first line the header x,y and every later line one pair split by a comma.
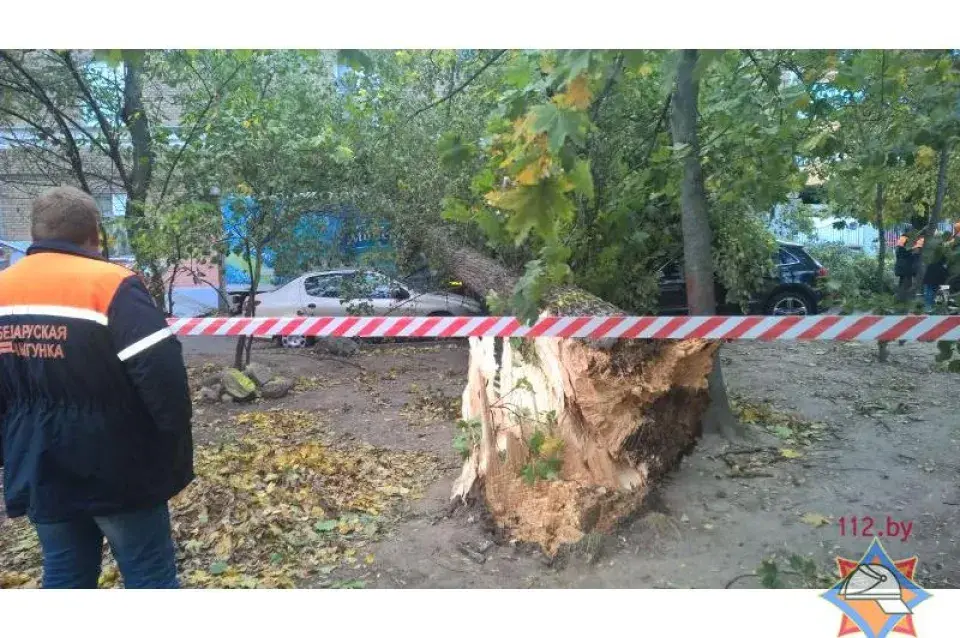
x,y
563,437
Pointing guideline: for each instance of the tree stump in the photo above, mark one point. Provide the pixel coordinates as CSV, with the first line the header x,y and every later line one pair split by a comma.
x,y
570,435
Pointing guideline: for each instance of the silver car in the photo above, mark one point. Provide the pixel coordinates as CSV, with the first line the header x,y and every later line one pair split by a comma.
x,y
337,293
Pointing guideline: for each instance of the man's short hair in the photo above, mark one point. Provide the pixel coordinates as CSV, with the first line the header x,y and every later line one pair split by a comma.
x,y
65,214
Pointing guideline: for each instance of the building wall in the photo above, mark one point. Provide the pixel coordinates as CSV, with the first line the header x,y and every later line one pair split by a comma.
x,y
17,193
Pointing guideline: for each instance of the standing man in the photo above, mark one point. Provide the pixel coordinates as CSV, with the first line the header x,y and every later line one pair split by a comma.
x,y
95,410
907,262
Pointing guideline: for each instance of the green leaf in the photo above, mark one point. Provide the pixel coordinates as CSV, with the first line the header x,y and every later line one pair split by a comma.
x,y
218,568
523,384
769,575
559,124
529,474
519,74
455,210
783,431
582,179
539,207
536,442
954,366
453,151
325,526
571,64
797,563
342,154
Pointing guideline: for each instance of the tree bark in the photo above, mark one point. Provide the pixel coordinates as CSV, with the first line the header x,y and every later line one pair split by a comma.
x,y
615,415
694,219
697,234
882,241
883,351
135,118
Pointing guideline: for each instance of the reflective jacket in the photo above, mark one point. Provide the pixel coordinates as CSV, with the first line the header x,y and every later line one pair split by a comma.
x,y
94,403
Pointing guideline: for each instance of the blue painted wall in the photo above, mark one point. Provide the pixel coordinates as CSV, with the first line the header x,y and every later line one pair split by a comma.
x,y
351,234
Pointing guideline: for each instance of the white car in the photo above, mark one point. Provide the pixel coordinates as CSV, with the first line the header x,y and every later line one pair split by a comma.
x,y
322,294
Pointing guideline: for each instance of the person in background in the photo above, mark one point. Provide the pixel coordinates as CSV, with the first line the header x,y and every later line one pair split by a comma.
x,y
95,410
907,262
936,273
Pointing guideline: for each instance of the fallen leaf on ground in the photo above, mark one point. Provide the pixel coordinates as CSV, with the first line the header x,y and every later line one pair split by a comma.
x,y
275,506
816,520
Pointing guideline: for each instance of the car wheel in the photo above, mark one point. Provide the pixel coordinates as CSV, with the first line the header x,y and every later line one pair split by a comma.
x,y
790,303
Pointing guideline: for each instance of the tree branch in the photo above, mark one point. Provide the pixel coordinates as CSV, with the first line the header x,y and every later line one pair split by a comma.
x,y
40,93
617,67
656,128
193,132
113,147
29,122
461,87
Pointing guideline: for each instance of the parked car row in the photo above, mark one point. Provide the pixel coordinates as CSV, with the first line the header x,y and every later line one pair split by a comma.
x,y
329,294
791,290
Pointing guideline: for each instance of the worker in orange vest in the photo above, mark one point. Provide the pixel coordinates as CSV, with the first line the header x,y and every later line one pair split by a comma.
x,y
907,262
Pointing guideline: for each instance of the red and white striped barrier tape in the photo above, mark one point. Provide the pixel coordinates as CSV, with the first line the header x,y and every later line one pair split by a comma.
x,y
760,328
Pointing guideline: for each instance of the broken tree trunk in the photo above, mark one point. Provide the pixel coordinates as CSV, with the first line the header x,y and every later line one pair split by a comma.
x,y
570,435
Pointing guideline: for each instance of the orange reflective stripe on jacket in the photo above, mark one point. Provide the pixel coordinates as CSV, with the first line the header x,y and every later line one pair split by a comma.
x,y
67,281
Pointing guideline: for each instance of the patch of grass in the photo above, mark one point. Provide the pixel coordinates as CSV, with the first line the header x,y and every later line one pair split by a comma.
x,y
799,572
802,571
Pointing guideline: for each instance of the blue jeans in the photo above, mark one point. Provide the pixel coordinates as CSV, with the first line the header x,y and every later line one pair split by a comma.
x,y
929,297
141,542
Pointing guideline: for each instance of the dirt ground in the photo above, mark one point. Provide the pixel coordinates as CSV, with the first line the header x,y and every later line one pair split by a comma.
x,y
888,447
831,434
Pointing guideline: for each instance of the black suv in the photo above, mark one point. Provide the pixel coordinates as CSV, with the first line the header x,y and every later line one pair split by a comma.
x,y
792,291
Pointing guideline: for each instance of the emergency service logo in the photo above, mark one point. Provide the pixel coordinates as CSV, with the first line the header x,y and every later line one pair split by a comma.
x,y
877,594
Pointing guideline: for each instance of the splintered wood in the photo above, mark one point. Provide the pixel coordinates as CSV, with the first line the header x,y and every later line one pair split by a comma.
x,y
574,435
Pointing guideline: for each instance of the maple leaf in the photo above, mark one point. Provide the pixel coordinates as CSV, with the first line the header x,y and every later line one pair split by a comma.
x,y
577,96
538,207
558,124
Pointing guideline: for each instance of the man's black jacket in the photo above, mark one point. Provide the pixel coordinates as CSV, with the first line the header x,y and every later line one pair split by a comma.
x,y
94,404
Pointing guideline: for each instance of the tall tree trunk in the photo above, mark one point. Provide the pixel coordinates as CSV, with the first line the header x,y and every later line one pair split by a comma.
x,y
883,351
244,344
882,242
135,119
170,287
697,234
694,219
223,301
616,415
